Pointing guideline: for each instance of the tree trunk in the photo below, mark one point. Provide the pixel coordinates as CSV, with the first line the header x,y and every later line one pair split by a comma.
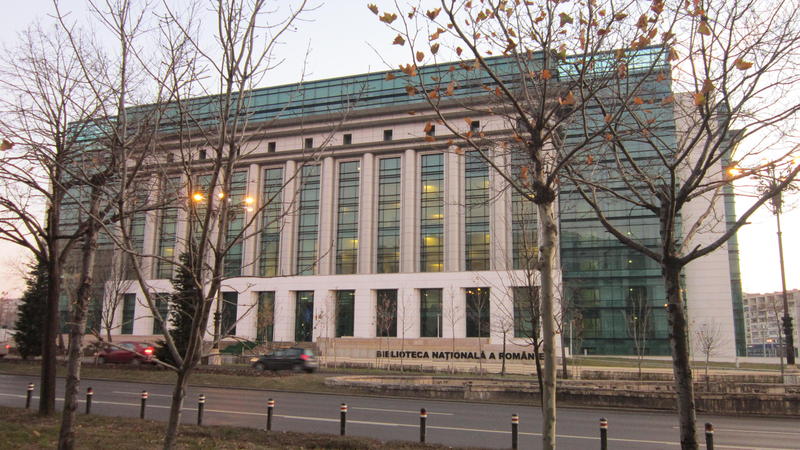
x,y
503,368
178,395
47,383
564,372
66,436
679,343
547,252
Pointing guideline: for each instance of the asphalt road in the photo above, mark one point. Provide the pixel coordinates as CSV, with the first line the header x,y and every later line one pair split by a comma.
x,y
388,418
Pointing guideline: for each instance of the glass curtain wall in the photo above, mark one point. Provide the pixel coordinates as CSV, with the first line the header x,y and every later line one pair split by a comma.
x,y
229,313
526,304
304,316
347,221
476,212
168,229
265,317
432,213
345,304
478,309
388,257
386,313
233,257
308,226
524,234
162,306
128,311
271,222
430,309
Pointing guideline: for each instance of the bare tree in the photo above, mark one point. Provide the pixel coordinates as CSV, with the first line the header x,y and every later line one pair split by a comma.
x,y
709,339
638,320
386,316
453,314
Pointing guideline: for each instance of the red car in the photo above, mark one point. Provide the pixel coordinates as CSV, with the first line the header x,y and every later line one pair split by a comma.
x,y
127,353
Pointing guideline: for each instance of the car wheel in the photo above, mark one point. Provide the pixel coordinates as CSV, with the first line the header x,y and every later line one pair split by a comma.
x,y
310,370
259,366
101,360
297,368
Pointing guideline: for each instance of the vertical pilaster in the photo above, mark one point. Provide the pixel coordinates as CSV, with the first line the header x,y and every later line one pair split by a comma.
x,y
366,215
408,313
365,313
327,195
251,235
284,315
288,252
150,238
409,240
454,212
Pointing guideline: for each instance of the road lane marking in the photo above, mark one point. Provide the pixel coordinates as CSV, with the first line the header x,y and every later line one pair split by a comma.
x,y
389,424
739,430
402,411
139,393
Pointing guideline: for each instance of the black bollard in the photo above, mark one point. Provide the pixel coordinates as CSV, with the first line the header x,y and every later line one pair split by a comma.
x,y
144,403
342,418
201,403
709,436
514,431
28,397
270,407
423,419
603,433
89,394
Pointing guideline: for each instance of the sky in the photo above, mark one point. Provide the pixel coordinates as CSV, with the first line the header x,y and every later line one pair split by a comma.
x,y
342,37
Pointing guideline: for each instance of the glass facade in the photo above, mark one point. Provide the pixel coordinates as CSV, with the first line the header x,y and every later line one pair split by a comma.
x,y
478,309
347,218
128,311
304,316
233,257
524,226
388,257
430,311
162,306
272,199
229,313
345,304
168,230
526,303
265,317
476,212
386,313
432,213
308,218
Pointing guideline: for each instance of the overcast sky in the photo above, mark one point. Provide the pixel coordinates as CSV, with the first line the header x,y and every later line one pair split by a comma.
x,y
339,37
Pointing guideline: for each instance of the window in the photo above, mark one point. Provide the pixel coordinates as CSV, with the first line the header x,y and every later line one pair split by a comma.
x,y
347,218
345,304
386,313
162,306
430,310
128,311
168,227
476,212
347,139
475,127
432,213
388,258
387,135
170,157
271,147
235,235
265,317
228,317
308,220
304,316
202,155
478,312
309,143
526,303
271,222
430,130
523,220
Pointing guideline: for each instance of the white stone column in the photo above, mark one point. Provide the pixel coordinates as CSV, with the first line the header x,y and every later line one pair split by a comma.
x,y
290,197
409,225
284,315
324,314
251,234
364,313
408,313
453,312
501,312
366,214
326,249
453,212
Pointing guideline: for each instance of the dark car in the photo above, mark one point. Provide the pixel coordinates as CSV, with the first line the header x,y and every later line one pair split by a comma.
x,y
294,359
127,353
